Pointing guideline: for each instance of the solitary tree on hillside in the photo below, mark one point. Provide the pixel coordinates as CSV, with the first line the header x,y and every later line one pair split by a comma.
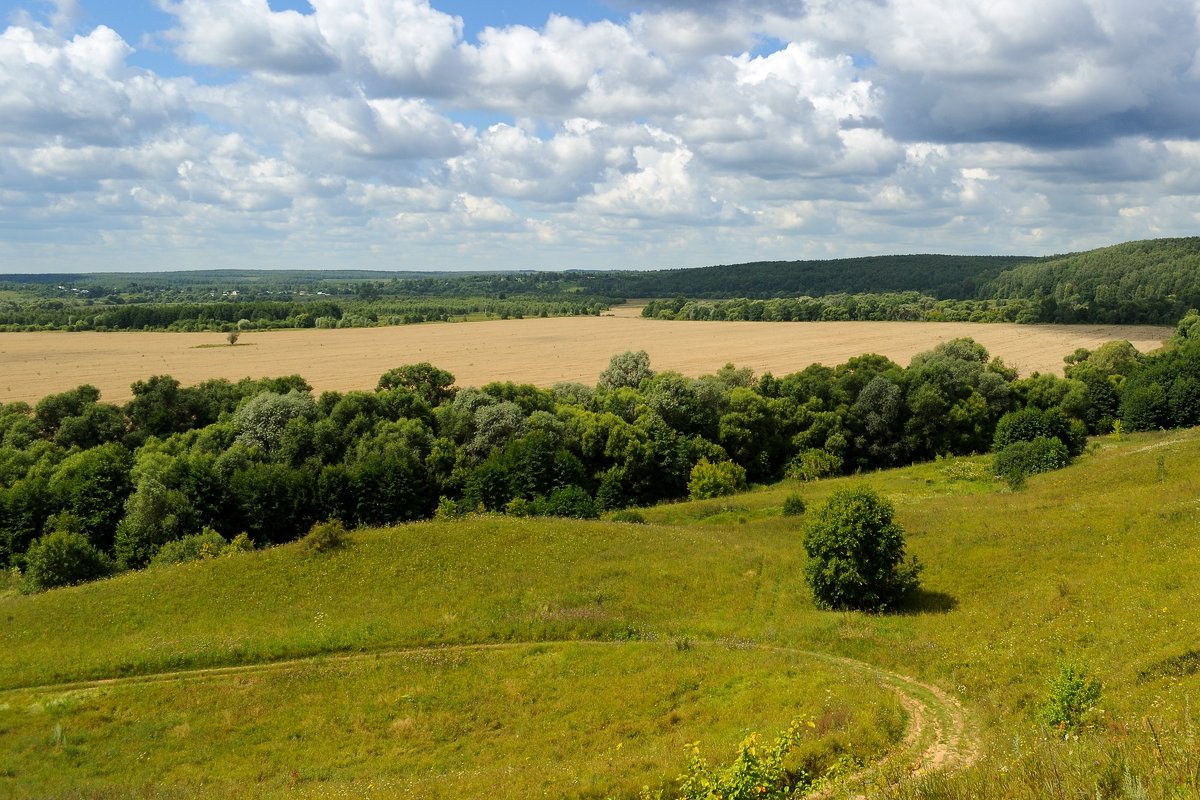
x,y
856,553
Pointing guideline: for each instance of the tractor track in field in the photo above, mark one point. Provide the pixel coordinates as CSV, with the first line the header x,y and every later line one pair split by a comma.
x,y
939,736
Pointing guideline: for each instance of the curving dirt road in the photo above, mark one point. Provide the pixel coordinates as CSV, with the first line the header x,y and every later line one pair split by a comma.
x,y
939,736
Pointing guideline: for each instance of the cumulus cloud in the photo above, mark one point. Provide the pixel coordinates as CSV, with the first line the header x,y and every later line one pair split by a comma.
x,y
681,132
248,35
79,89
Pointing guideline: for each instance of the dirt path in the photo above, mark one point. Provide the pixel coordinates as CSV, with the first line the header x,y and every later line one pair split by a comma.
x,y
939,736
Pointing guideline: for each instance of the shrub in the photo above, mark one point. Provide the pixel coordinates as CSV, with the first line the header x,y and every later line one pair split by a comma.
x,y
196,547
814,464
628,515
1021,459
856,554
758,771
567,501
449,509
63,558
1073,698
794,505
709,480
325,537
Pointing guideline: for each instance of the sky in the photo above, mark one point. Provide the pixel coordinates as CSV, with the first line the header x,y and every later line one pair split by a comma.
x,y
588,134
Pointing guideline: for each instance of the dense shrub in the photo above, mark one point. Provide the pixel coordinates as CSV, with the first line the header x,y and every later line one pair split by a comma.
x,y
628,515
856,556
794,505
63,558
568,501
709,480
1021,459
197,547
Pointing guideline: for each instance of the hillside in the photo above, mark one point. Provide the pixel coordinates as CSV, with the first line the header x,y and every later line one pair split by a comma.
x,y
1153,281
437,658
941,276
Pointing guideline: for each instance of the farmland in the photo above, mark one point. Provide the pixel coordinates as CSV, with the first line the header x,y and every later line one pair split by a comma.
x,y
537,351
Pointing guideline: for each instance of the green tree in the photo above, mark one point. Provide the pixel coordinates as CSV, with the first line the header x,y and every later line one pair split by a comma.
x,y
435,386
856,557
715,480
63,558
626,370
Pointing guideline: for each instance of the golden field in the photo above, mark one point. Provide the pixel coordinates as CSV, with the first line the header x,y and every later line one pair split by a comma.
x,y
537,351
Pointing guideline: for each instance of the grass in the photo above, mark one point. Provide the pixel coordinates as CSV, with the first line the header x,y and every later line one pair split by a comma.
x,y
1096,564
442,723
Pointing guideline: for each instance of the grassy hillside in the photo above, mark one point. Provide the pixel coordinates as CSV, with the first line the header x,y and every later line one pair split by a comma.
x,y
612,645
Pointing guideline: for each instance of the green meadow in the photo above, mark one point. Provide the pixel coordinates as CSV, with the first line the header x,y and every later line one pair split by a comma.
x,y
502,657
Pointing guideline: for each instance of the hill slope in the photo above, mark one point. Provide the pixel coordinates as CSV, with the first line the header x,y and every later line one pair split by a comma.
x,y
1154,281
1093,564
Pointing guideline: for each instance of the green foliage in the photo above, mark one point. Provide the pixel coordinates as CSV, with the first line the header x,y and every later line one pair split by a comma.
x,y
435,386
628,515
708,480
565,501
325,537
794,505
1073,697
198,547
856,556
1028,424
154,515
813,464
626,370
63,558
261,420
447,508
1017,461
758,771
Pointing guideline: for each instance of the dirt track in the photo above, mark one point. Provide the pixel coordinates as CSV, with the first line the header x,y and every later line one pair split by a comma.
x,y
538,351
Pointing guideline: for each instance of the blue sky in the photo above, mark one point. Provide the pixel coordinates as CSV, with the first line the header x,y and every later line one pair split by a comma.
x,y
451,134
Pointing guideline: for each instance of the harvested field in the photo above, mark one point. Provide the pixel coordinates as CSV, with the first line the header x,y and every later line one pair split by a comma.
x,y
538,351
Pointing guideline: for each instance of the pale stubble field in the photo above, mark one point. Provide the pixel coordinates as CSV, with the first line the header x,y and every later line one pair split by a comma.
x,y
537,351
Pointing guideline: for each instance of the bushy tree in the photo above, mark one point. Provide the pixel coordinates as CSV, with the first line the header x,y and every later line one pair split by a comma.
x,y
261,419
63,558
715,480
856,557
626,370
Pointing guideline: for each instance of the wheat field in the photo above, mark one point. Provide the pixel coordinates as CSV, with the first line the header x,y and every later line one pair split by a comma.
x,y
537,351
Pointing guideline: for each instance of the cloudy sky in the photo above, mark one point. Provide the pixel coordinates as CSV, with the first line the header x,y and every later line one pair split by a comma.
x,y
555,134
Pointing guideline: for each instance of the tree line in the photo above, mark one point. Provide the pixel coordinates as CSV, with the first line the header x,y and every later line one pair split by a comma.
x,y
1152,282
31,315
268,459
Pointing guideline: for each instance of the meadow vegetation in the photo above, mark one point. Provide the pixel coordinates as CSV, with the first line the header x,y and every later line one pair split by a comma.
x,y
582,658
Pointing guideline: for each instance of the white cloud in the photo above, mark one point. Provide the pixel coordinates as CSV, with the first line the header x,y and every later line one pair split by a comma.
x,y
686,133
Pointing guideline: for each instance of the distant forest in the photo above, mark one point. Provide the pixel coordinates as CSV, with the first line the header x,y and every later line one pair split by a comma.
x,y
1148,282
